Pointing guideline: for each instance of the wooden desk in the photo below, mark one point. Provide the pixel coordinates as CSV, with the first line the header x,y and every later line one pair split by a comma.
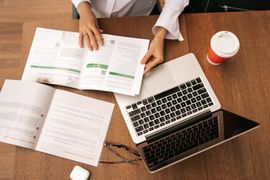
x,y
241,85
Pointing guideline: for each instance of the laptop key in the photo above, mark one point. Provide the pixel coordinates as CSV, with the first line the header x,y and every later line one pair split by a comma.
x,y
145,131
138,129
146,126
151,129
136,124
132,113
183,86
135,118
144,102
203,102
167,122
157,115
193,82
205,95
156,126
143,109
156,121
150,99
164,106
184,98
164,100
188,84
185,92
162,119
208,100
194,93
166,93
153,111
146,119
142,115
202,90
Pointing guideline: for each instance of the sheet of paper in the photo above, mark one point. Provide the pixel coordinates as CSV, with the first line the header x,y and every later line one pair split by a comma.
x,y
75,127
55,58
115,66
23,109
96,65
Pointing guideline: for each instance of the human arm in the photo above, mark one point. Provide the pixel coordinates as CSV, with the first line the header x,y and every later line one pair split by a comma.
x,y
155,56
88,27
166,27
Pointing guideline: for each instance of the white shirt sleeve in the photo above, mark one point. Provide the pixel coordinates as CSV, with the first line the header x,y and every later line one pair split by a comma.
x,y
77,2
169,18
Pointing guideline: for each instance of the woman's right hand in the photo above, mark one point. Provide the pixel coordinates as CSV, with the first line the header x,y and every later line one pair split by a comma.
x,y
88,27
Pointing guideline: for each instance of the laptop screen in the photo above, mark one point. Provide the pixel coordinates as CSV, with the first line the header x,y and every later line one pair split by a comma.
x,y
235,125
192,137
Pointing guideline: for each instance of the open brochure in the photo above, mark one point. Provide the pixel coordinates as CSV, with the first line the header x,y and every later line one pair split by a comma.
x,y
56,58
52,121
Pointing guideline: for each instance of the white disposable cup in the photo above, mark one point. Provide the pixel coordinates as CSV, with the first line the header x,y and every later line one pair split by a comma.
x,y
223,45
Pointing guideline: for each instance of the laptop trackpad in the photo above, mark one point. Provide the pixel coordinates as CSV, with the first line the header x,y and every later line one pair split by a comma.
x,y
158,80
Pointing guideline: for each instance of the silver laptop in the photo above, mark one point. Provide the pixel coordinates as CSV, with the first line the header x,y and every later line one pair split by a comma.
x,y
177,114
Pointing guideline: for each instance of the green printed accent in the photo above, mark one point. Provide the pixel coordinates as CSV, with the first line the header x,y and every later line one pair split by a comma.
x,y
122,75
59,68
101,66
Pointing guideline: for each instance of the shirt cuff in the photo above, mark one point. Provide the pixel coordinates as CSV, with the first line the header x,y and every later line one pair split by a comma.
x,y
169,18
77,2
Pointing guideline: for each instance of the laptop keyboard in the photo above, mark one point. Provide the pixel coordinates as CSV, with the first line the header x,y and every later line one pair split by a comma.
x,y
169,106
181,141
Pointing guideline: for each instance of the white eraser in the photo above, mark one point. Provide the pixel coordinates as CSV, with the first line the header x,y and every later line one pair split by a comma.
x,y
78,173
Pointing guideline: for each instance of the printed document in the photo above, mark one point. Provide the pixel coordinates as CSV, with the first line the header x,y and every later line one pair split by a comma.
x,y
56,58
52,121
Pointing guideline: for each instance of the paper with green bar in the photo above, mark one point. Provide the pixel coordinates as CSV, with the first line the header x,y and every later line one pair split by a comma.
x,y
56,58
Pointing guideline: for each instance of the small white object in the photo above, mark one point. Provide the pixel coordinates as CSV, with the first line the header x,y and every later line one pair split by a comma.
x,y
78,173
225,44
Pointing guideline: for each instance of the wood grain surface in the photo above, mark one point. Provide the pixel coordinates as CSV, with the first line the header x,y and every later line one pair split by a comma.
x,y
241,84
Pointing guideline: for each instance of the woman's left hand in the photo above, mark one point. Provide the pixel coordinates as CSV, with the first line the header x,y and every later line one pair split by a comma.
x,y
155,56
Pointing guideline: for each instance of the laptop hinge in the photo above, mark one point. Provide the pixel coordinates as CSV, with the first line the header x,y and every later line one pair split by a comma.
x,y
180,125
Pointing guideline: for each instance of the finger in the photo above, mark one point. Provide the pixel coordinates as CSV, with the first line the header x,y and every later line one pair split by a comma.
x,y
150,65
92,40
100,30
146,57
87,40
81,40
98,37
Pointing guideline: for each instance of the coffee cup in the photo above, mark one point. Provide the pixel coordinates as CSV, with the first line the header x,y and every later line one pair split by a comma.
x,y
223,45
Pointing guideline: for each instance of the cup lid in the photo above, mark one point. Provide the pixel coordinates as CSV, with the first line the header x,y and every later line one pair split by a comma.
x,y
225,43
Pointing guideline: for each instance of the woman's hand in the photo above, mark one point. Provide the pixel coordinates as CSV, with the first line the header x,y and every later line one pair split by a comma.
x,y
88,28
155,56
